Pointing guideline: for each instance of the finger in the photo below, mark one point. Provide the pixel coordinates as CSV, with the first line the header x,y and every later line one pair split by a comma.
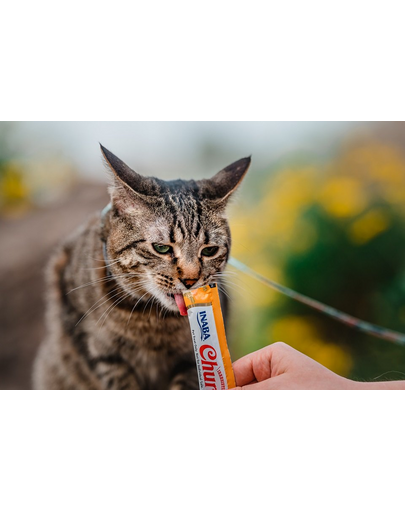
x,y
279,383
241,388
253,367
243,370
265,385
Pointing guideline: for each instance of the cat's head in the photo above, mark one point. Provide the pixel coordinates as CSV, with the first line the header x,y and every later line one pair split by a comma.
x,y
164,237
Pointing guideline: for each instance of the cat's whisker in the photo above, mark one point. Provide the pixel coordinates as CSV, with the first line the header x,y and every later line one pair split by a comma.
x,y
227,272
90,310
95,281
120,299
230,272
96,268
234,285
93,308
157,304
225,292
126,294
133,309
228,276
106,279
106,260
152,298
226,288
147,303
106,313
237,288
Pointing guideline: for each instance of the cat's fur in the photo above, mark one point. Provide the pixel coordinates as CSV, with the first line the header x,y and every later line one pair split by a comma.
x,y
111,324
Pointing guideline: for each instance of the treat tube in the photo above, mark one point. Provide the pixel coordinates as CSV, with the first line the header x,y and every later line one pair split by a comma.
x,y
214,365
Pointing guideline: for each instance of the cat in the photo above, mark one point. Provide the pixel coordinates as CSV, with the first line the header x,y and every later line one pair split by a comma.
x,y
112,317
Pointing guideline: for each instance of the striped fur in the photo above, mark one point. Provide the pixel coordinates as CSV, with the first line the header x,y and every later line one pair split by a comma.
x,y
112,319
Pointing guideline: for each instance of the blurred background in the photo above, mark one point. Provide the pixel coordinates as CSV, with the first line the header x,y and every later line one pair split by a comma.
x,y
322,210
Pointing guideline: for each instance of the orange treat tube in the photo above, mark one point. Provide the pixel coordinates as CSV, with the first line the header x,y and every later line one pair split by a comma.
x,y
214,365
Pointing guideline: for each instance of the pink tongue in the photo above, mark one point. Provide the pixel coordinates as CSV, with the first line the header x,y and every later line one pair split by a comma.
x,y
178,297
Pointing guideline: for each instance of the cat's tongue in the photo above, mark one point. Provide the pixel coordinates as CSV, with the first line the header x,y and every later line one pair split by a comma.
x,y
178,297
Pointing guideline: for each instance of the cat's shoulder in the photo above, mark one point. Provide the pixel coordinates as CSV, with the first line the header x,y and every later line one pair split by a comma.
x,y
62,253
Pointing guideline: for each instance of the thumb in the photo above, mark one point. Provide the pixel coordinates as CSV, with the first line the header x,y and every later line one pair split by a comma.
x,y
272,383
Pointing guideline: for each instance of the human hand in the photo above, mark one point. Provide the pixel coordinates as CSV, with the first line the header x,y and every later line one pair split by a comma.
x,y
279,366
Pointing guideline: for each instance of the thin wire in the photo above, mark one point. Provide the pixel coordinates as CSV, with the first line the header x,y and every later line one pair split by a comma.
x,y
344,318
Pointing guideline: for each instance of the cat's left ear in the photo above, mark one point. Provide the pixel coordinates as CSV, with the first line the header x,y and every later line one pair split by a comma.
x,y
221,186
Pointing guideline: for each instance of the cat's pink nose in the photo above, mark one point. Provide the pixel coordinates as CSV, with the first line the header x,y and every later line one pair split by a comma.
x,y
188,283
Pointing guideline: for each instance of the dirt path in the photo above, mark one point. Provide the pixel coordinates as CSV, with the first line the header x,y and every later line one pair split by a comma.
x,y
25,246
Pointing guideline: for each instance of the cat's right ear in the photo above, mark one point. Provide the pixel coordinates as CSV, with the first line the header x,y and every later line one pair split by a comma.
x,y
129,188
123,173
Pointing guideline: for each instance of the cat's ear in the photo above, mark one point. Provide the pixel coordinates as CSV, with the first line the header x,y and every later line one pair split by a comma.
x,y
221,186
129,187
125,174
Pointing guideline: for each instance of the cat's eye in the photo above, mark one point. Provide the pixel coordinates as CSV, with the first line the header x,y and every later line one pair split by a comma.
x,y
210,251
162,249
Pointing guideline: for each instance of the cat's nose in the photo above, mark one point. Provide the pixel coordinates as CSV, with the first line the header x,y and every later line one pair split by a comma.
x,y
188,283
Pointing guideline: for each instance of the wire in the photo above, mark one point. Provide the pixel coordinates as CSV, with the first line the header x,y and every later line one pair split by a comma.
x,y
344,318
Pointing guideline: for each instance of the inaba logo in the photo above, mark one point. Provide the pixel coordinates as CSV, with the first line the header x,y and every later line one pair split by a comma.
x,y
203,325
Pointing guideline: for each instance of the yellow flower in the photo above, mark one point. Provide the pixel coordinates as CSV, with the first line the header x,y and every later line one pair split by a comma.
x,y
289,191
343,196
369,226
13,187
376,163
305,236
288,194
14,193
393,194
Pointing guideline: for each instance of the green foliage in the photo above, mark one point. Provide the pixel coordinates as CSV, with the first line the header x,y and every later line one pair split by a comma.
x,y
335,233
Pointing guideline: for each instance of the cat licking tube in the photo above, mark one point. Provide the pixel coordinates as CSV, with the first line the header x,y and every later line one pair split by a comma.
x,y
114,287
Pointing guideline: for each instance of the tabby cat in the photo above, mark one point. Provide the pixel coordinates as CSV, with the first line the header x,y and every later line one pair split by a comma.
x,y
112,317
